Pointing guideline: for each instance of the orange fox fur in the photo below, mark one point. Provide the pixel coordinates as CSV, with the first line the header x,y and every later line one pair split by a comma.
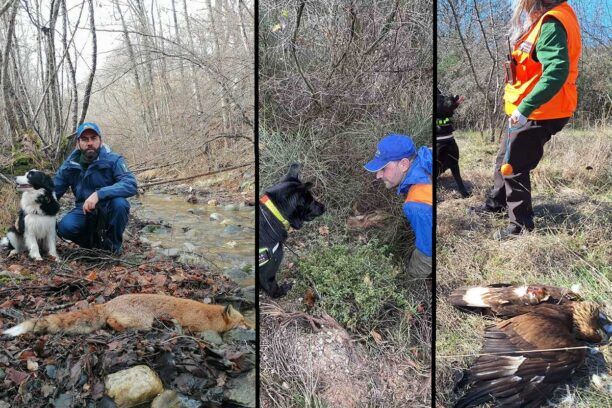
x,y
137,311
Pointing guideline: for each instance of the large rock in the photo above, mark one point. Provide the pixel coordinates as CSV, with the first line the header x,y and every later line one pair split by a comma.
x,y
213,398
241,390
211,337
133,386
249,293
239,335
167,399
236,274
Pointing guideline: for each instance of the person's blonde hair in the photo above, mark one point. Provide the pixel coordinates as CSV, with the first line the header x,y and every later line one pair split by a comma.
x,y
527,12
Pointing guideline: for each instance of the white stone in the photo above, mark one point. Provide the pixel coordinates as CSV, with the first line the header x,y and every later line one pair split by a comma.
x,y
133,386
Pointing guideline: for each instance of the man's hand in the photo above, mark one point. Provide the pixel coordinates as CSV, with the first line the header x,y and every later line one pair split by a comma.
x,y
517,119
90,203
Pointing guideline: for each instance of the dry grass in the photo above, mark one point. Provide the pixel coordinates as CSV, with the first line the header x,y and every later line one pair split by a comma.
x,y
572,243
331,368
302,367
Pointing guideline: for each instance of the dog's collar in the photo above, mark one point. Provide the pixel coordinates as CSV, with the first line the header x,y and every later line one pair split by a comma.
x,y
265,200
265,254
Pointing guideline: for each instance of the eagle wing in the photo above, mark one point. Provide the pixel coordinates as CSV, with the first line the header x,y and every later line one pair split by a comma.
x,y
511,371
508,300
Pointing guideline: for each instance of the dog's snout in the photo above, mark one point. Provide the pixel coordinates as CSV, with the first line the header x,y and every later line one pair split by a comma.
x,y
319,208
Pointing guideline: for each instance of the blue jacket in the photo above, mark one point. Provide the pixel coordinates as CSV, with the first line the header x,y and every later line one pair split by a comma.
x,y
420,215
108,175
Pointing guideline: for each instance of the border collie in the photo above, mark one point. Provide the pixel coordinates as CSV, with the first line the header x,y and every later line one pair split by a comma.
x,y
37,216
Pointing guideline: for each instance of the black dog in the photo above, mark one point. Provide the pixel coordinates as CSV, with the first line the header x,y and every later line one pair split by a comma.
x,y
96,222
447,151
286,204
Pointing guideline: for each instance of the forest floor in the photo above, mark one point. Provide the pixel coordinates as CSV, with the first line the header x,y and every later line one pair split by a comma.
x,y
572,244
310,359
69,371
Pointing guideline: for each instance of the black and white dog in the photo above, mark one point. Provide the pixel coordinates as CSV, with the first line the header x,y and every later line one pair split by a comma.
x,y
35,226
447,150
285,205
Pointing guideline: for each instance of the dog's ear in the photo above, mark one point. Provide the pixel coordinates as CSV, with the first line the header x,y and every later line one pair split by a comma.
x,y
48,183
293,173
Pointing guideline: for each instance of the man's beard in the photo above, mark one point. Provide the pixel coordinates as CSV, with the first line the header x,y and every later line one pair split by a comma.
x,y
388,184
91,154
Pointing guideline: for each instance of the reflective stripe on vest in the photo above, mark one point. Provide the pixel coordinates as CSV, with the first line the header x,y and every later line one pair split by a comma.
x,y
529,71
420,193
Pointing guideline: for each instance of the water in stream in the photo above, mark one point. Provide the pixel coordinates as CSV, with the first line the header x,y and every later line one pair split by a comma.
x,y
220,236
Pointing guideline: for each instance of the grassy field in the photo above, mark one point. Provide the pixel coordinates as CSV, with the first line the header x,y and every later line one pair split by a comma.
x,y
572,243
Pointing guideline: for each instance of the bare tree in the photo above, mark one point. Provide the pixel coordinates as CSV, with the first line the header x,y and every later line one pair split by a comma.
x,y
137,90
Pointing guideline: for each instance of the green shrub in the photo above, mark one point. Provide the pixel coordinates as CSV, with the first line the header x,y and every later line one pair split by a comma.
x,y
358,285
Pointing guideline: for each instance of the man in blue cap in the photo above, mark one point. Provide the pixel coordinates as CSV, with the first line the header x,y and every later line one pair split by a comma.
x,y
399,164
101,184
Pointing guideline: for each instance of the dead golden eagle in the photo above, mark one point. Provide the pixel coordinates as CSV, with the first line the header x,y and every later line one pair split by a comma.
x,y
513,369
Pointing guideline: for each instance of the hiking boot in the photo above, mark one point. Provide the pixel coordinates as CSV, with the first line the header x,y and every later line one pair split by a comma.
x,y
510,232
486,209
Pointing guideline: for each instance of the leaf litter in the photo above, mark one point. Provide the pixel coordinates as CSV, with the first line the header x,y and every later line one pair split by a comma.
x,y
68,371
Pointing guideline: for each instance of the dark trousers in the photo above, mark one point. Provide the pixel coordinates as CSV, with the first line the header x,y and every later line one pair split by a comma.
x,y
526,149
74,225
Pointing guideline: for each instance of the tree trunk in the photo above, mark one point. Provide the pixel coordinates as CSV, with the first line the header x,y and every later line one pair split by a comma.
x,y
145,113
55,103
7,88
94,56
194,77
71,72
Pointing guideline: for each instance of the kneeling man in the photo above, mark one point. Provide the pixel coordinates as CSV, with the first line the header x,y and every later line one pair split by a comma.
x,y
101,184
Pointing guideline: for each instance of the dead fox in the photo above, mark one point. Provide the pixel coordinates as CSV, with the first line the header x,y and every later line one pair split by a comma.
x,y
137,311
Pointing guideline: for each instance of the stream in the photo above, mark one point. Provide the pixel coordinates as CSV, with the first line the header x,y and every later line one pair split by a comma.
x,y
222,237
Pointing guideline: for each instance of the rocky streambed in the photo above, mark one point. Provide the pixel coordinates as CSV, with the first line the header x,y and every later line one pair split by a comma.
x,y
221,236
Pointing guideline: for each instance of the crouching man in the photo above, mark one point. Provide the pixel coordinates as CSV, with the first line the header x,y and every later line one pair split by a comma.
x,y
101,184
400,165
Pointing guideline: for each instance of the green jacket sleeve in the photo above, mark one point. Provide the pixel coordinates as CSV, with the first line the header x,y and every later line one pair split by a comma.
x,y
551,51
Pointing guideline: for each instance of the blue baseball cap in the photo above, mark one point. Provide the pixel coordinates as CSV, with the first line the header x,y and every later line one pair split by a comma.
x,y
392,147
88,126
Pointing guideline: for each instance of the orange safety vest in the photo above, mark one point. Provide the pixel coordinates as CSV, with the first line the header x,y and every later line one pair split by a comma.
x,y
529,71
420,193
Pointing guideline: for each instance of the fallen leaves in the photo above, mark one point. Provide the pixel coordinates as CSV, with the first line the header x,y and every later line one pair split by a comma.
x,y
377,337
370,220
40,369
309,298
16,376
